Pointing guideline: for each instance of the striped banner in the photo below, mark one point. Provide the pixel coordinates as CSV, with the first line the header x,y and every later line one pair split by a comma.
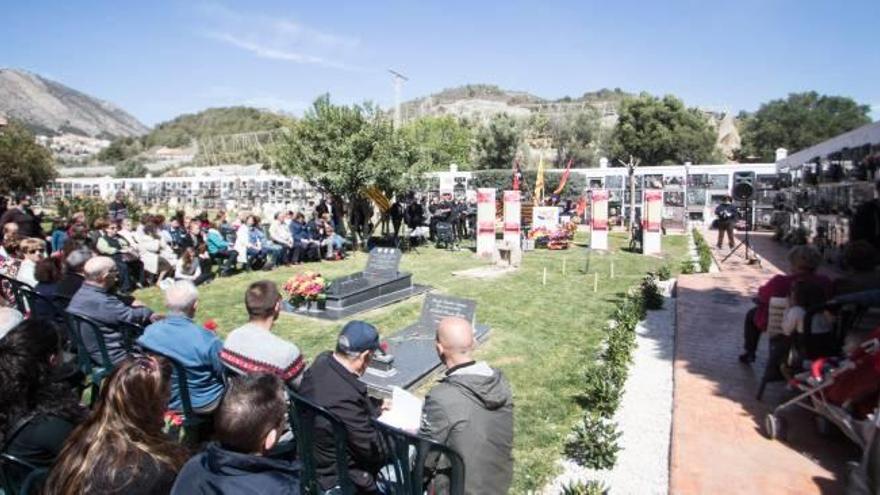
x,y
379,198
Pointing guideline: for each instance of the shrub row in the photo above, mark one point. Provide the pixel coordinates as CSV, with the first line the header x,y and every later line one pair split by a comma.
x,y
703,251
593,440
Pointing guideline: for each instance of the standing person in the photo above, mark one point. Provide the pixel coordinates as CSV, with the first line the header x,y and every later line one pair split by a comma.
x,y
396,213
121,448
249,422
253,348
22,215
866,221
471,411
725,218
333,382
116,210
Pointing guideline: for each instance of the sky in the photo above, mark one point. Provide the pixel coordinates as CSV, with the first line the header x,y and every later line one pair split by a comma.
x,y
159,59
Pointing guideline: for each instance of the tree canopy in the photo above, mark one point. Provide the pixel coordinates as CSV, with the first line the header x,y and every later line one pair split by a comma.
x,y
440,141
24,164
573,137
343,149
797,122
497,142
662,130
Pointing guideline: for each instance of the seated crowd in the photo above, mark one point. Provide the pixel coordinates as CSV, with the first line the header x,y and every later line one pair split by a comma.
x,y
156,250
240,388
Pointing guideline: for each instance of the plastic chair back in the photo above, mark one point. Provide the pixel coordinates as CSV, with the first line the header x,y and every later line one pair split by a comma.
x,y
15,286
411,455
15,474
191,419
304,414
40,306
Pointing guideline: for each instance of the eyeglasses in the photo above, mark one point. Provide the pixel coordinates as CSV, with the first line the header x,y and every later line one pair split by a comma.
x,y
35,251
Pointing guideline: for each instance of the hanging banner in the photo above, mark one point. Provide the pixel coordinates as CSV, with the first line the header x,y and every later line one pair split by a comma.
x,y
653,210
545,216
512,217
599,209
486,223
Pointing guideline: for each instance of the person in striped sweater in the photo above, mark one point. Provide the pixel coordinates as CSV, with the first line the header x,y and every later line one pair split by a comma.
x,y
253,348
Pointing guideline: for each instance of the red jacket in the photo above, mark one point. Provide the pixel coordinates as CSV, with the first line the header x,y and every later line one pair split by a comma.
x,y
780,286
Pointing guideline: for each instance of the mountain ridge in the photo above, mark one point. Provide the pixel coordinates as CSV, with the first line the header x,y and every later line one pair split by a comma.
x,y
51,108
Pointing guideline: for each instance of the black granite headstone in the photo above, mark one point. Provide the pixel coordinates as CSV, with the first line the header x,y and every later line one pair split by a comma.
x,y
437,307
383,263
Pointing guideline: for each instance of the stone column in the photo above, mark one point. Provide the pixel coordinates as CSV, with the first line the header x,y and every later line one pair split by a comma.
x,y
652,217
599,219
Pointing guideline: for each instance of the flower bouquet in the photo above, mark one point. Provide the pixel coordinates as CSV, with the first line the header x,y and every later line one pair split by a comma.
x,y
307,287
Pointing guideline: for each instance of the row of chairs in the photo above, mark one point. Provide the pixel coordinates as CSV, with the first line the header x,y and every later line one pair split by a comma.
x,y
407,454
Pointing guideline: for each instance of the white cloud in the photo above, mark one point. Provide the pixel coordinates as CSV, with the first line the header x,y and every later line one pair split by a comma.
x,y
277,38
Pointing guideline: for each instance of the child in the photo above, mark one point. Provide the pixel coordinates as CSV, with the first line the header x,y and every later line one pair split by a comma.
x,y
803,296
248,423
188,267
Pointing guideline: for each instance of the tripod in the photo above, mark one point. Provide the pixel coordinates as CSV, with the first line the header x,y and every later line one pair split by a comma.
x,y
746,242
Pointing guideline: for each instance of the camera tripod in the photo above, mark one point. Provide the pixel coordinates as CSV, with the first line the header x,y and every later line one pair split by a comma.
x,y
746,242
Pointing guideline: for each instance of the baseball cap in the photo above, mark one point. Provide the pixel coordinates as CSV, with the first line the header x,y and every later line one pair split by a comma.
x,y
358,336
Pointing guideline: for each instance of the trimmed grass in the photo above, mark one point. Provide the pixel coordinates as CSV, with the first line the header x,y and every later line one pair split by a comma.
x,y
541,335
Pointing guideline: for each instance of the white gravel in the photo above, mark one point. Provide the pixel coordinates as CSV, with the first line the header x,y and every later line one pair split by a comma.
x,y
644,417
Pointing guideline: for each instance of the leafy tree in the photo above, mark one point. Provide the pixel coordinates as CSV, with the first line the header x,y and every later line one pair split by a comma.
x,y
496,142
663,130
573,136
798,122
24,164
440,141
121,149
130,168
343,149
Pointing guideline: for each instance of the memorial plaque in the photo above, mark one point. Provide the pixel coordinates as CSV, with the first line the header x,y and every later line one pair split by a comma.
x,y
437,307
383,263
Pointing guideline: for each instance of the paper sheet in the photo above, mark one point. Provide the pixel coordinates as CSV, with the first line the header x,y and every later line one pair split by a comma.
x,y
405,412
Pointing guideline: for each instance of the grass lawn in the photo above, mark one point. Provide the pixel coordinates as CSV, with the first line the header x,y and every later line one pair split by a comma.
x,y
541,335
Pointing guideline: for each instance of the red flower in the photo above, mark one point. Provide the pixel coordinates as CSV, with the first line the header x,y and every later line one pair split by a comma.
x,y
384,346
210,324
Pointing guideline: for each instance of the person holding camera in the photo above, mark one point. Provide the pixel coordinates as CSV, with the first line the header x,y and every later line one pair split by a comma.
x,y
725,218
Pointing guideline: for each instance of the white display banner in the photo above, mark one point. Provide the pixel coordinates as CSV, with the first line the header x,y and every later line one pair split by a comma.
x,y
512,217
545,216
486,223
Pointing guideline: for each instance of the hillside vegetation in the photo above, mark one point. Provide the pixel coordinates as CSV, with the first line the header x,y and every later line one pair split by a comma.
x,y
181,131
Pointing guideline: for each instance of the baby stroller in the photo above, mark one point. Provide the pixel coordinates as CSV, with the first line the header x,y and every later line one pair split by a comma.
x,y
445,236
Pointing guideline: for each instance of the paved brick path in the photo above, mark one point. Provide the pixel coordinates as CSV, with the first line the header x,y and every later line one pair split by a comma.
x,y
717,446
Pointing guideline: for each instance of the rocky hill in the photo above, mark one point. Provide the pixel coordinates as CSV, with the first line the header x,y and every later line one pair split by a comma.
x,y
479,102
50,108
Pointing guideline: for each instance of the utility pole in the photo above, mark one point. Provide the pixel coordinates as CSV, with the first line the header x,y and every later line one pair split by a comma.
x,y
631,166
397,79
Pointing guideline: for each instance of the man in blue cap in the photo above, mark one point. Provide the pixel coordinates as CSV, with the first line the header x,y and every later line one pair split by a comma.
x,y
333,382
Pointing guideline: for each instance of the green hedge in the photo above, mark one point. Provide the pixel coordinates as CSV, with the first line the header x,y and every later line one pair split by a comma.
x,y
704,252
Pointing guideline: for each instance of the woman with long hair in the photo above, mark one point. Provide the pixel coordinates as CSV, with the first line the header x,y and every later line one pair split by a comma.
x,y
121,448
37,410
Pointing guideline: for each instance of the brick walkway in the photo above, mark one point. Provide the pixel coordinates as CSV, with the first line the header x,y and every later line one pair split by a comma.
x,y
717,445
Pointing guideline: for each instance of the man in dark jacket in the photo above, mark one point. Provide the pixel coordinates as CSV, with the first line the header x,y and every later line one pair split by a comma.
x,y
21,214
725,218
248,423
332,382
73,276
471,411
96,300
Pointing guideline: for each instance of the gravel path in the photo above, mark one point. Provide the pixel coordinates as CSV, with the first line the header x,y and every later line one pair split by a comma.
x,y
644,417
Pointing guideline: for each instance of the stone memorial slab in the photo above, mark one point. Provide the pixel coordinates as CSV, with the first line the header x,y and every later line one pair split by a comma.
x,y
414,357
381,283
383,263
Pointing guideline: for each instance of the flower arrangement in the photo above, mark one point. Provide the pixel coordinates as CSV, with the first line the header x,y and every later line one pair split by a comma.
x,y
552,239
305,287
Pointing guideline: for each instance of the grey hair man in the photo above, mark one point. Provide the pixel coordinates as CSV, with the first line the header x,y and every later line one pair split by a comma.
x,y
196,349
95,300
73,276
471,411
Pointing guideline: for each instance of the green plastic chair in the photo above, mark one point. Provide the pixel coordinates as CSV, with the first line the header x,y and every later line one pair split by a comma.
x,y
409,453
20,477
16,287
95,372
192,421
303,416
